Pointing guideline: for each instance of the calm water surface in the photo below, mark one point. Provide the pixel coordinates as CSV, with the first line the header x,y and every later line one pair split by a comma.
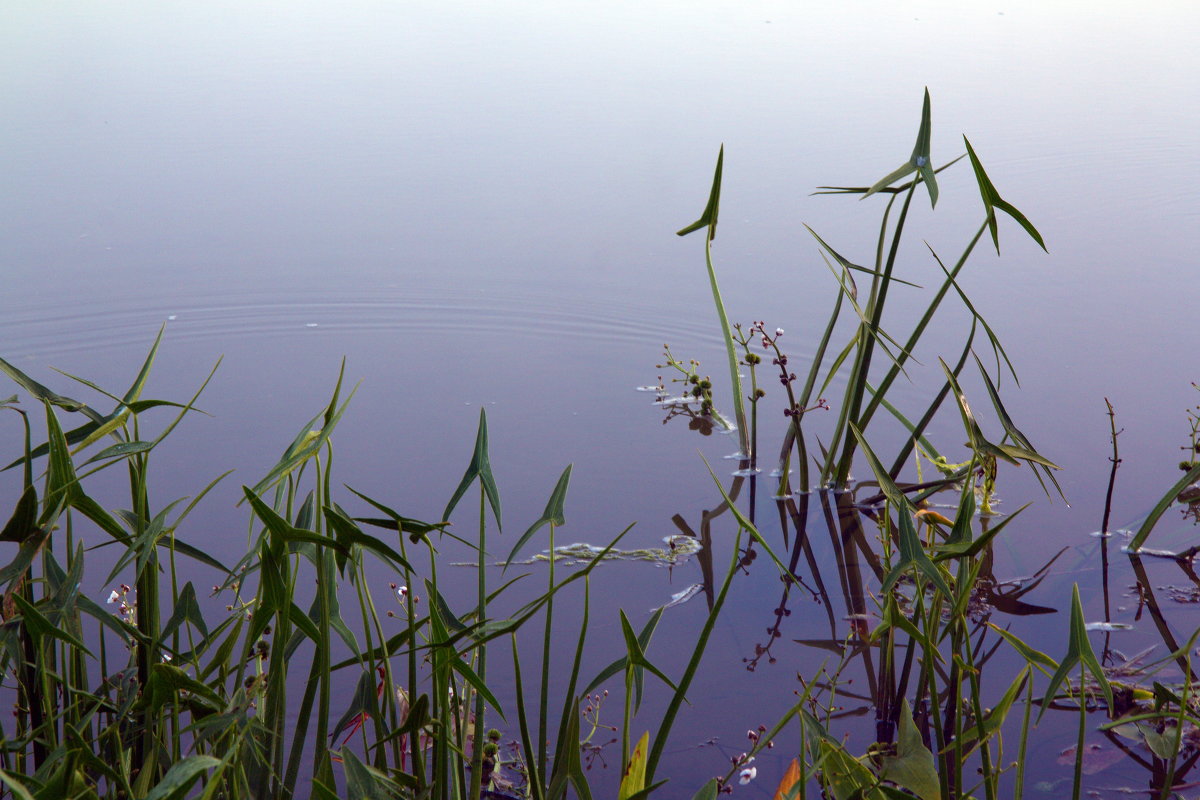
x,y
475,205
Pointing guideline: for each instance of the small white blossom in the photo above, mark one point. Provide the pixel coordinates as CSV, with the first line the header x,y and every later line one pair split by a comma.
x,y
746,775
114,597
779,331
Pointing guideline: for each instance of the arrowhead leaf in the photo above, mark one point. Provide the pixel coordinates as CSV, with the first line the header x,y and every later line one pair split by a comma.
x,y
992,201
709,217
919,161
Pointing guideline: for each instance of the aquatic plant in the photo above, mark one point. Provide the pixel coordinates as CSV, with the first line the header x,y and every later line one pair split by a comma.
x,y
163,693
922,634
151,696
865,394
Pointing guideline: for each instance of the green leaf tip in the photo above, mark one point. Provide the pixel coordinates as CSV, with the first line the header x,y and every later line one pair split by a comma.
x,y
1079,649
553,515
992,201
709,217
481,468
920,161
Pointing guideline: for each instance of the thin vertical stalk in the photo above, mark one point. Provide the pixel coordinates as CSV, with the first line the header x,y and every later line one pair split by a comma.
x,y
866,346
147,607
414,740
1077,782
794,429
677,699
735,381
1115,460
1023,746
321,658
544,689
915,336
481,657
985,754
371,628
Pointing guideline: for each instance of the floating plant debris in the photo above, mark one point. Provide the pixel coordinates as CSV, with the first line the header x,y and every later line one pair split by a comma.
x,y
679,548
679,598
1107,626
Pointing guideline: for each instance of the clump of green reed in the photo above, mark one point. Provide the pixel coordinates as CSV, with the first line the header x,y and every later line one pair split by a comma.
x,y
303,686
865,391
941,730
925,658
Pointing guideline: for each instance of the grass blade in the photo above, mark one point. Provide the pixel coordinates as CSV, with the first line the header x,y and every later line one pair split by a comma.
x,y
1160,508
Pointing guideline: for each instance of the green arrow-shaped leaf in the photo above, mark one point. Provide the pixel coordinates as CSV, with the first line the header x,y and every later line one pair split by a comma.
x,y
480,467
992,201
919,161
552,515
709,217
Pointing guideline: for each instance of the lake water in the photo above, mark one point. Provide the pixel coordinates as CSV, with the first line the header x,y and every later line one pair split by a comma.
x,y
475,204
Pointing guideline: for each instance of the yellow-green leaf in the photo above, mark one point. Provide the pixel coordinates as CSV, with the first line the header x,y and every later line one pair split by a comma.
x,y
634,779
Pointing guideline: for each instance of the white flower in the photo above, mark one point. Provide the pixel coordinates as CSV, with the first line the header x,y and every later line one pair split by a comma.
x,y
114,597
747,775
779,331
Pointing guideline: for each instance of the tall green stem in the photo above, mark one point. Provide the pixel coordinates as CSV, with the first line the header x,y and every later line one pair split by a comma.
x,y
735,380
866,343
544,691
481,661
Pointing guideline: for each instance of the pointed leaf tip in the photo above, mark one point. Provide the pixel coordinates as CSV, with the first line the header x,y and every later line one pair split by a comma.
x,y
993,201
920,161
554,513
480,467
709,217
921,158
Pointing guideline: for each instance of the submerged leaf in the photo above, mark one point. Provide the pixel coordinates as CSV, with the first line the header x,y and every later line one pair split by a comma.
x,y
679,598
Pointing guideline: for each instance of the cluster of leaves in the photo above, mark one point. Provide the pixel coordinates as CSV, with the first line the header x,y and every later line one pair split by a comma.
x,y
161,701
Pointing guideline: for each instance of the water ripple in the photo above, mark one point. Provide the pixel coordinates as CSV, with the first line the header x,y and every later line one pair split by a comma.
x,y
45,327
